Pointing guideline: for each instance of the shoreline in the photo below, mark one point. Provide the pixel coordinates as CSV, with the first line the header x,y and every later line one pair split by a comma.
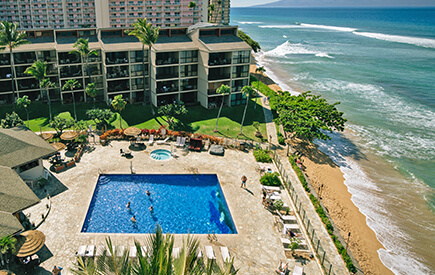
x,y
338,200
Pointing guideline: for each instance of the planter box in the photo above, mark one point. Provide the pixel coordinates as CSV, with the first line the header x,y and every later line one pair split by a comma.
x,y
59,168
71,163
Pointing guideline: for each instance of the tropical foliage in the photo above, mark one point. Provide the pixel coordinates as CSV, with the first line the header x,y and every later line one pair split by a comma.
x,y
192,4
99,116
147,34
119,104
262,156
60,124
11,120
248,92
223,90
24,102
308,116
71,84
270,179
254,45
157,259
91,91
172,111
7,245
82,49
260,70
11,38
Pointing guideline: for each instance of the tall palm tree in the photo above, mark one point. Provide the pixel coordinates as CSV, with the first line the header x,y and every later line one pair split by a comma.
x,y
147,34
260,70
11,38
248,92
82,49
71,84
210,9
223,90
24,102
7,245
119,104
91,91
39,71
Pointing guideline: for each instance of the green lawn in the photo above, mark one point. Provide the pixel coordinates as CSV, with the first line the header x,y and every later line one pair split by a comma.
x,y
198,120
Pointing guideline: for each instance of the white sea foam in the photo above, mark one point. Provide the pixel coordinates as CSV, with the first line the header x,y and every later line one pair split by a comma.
x,y
332,28
309,26
285,36
288,48
249,23
422,42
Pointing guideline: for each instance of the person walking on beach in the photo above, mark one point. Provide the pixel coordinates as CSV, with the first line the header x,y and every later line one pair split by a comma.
x,y
244,180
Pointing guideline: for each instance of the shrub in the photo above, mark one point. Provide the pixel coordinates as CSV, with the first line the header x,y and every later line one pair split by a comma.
x,y
299,173
256,125
281,140
11,120
262,156
270,179
278,204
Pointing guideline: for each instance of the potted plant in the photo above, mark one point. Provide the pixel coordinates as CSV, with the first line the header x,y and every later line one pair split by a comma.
x,y
278,204
294,244
256,125
70,163
59,167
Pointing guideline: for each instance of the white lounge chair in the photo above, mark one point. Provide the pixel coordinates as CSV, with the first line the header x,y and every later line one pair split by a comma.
x,y
287,218
133,252
298,270
176,252
119,251
225,254
291,226
272,188
82,250
209,252
163,141
151,140
182,142
178,142
46,174
90,251
99,250
286,242
144,250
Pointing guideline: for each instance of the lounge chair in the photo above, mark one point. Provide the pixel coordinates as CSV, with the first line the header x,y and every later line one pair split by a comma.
x,y
287,218
99,250
163,141
209,252
272,188
90,251
151,140
286,242
178,142
176,252
225,254
291,226
119,251
298,270
182,142
133,252
46,174
81,251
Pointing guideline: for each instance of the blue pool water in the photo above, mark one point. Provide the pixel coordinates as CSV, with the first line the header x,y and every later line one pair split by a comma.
x,y
182,204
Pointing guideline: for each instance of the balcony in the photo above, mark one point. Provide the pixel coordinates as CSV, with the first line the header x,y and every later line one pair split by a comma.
x,y
189,84
68,58
167,72
167,58
219,59
5,73
218,76
71,71
28,84
118,85
167,87
117,72
116,58
24,58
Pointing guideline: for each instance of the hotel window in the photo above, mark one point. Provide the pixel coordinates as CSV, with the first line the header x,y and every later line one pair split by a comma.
x,y
240,71
241,57
189,56
188,70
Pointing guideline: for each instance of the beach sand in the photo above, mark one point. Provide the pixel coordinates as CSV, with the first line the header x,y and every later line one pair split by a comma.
x,y
320,169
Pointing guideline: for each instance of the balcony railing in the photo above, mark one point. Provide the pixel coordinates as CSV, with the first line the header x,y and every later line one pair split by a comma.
x,y
121,74
218,76
168,61
219,62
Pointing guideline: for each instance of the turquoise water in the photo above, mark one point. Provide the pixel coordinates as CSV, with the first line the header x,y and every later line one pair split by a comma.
x,y
380,64
181,204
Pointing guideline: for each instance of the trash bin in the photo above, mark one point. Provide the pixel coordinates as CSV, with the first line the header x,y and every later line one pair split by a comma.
x,y
242,146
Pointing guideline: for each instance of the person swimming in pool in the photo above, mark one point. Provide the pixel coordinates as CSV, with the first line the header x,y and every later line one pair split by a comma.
x,y
151,208
128,205
148,193
133,219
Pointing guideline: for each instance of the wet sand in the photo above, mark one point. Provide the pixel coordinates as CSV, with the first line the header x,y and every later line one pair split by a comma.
x,y
336,198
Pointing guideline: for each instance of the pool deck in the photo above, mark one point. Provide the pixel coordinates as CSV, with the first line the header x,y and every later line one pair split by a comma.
x,y
257,247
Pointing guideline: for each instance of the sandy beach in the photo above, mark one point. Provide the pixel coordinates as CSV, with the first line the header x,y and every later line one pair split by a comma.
x,y
336,198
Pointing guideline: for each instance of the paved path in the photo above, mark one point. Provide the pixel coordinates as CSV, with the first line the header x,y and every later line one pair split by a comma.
x,y
326,243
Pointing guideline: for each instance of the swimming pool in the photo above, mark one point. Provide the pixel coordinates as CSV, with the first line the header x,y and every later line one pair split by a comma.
x,y
182,204
161,154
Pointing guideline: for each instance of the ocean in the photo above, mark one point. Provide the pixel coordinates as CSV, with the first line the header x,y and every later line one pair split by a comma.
x,y
380,64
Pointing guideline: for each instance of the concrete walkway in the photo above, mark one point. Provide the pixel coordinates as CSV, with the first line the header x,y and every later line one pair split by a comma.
x,y
321,236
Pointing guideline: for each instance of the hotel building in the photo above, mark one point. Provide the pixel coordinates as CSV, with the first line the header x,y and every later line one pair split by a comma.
x,y
221,12
69,14
187,64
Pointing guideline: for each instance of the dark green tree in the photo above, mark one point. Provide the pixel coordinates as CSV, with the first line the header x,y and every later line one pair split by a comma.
x,y
24,102
91,91
223,90
82,49
99,116
254,44
11,120
119,104
248,92
59,124
308,116
170,112
71,84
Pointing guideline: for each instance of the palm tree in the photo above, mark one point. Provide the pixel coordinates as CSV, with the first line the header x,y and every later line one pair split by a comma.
x,y
119,104
248,92
223,90
147,34
71,84
192,4
39,71
24,102
7,245
82,49
260,70
11,38
91,91
210,11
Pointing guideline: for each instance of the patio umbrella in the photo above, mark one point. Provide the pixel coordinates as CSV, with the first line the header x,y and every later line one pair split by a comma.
x,y
46,136
29,243
6,272
132,131
58,145
69,135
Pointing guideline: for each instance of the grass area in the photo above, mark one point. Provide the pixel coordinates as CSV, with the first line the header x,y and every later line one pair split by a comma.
x,y
198,120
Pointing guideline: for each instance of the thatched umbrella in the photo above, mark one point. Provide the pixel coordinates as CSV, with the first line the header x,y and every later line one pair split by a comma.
x,y
6,272
46,136
132,131
69,135
29,243
59,146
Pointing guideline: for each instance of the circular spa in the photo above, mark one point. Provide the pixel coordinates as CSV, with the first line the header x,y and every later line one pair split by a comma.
x,y
160,154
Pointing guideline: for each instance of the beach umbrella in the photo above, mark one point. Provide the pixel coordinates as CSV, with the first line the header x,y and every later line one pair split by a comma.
x,y
69,135
6,272
132,131
46,136
58,145
29,242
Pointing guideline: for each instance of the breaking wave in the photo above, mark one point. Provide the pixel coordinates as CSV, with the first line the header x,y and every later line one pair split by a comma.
x,y
422,42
